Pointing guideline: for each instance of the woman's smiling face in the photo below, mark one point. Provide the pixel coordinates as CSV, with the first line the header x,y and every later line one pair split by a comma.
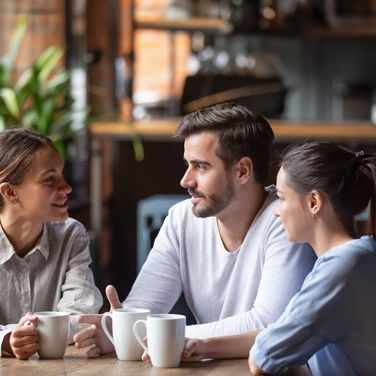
x,y
43,192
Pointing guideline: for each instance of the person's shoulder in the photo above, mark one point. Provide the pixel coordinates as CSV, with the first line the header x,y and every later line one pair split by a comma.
x,y
182,217
354,248
181,208
69,234
348,266
366,244
353,254
68,226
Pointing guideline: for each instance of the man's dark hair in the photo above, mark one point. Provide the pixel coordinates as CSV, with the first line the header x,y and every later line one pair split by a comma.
x,y
241,133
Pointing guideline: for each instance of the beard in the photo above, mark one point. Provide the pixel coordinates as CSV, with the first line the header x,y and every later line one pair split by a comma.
x,y
216,202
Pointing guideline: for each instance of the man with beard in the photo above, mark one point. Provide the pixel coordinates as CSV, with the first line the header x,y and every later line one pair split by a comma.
x,y
223,248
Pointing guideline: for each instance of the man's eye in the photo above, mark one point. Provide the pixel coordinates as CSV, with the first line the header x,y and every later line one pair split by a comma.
x,y
49,179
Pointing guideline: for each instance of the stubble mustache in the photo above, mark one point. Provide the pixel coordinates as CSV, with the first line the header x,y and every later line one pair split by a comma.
x,y
195,193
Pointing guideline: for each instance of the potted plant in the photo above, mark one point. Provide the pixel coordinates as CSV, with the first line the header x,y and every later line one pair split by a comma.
x,y
39,98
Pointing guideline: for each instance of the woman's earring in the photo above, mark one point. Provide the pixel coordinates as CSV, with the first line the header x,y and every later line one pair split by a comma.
x,y
315,216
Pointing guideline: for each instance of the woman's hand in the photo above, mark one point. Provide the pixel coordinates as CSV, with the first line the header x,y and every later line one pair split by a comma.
x,y
23,340
194,350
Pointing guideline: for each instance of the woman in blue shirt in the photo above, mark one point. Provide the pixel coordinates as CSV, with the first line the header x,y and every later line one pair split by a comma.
x,y
331,322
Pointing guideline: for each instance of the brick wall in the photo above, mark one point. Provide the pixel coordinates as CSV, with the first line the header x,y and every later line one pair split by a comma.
x,y
153,69
45,27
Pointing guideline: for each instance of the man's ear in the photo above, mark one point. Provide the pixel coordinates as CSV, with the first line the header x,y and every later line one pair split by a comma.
x,y
8,192
244,169
315,201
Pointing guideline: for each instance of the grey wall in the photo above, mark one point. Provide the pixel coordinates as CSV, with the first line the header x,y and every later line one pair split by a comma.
x,y
311,67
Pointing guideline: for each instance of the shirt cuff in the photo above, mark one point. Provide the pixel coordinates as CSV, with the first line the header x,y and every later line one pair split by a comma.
x,y
263,361
3,334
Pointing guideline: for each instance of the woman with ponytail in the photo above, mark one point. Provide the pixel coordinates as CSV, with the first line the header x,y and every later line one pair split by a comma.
x,y
331,322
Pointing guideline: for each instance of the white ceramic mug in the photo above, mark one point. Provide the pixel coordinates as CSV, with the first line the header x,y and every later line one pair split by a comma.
x,y
165,338
126,346
53,333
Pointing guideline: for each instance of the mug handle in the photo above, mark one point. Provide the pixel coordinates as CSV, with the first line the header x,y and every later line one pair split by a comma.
x,y
104,326
135,332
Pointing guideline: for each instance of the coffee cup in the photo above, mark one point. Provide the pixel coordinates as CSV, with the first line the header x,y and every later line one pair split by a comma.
x,y
165,338
126,345
53,333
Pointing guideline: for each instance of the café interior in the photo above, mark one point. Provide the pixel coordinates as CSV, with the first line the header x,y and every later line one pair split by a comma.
x,y
137,66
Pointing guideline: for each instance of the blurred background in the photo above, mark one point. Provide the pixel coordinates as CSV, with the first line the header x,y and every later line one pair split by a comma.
x,y
140,61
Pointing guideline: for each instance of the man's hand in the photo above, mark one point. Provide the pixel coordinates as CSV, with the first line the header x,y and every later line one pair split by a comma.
x,y
194,350
113,297
94,335
23,341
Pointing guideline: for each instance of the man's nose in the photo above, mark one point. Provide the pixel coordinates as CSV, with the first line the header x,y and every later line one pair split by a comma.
x,y
187,180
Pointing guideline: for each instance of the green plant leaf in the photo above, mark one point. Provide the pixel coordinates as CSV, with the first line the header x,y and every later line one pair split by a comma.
x,y
60,146
48,110
61,81
48,61
3,75
15,43
2,124
35,90
24,80
62,126
29,118
10,100
40,99
138,147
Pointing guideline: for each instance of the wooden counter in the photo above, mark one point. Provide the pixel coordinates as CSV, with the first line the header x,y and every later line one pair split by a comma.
x,y
283,130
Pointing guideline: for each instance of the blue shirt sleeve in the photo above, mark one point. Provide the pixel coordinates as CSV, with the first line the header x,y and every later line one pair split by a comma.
x,y
285,344
314,317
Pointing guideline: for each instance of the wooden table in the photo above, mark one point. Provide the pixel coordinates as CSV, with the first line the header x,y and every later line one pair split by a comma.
x,y
75,363
162,130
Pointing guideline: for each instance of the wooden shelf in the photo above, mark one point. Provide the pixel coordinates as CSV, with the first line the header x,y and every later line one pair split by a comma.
x,y
284,130
352,31
215,25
